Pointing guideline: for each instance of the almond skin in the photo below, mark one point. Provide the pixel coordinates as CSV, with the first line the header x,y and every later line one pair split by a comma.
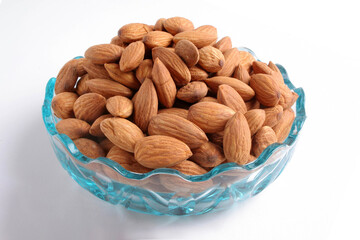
x,y
89,148
165,86
208,99
95,127
252,104
159,25
209,116
207,29
211,59
176,111
178,69
246,60
144,70
104,53
245,91
67,77
208,155
192,92
120,156
132,56
121,132
106,144
62,104
125,78
95,70
160,151
133,32
145,104
175,25
117,41
232,59
188,52
89,107
255,119
108,88
237,139
157,39
217,138
177,127
81,87
230,97
224,44
262,139
273,115
73,128
260,67
283,128
266,89
242,74
119,106
198,74
199,38
189,168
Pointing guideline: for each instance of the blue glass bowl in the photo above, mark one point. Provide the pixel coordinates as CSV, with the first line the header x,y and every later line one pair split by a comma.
x,y
167,191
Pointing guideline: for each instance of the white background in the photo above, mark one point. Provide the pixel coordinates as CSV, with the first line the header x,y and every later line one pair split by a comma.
x,y
317,195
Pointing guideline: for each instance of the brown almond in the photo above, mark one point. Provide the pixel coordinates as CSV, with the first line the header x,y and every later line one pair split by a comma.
x,y
252,104
273,115
207,29
104,53
251,159
242,74
63,103
165,86
217,138
175,25
136,167
198,74
89,148
189,168
95,70
95,127
80,67
211,59
224,44
246,60
121,132
237,139
208,155
174,64
119,106
126,78
266,89
106,144
132,56
192,92
260,67
81,87
199,38
232,59
133,32
209,116
117,41
283,128
144,70
160,151
208,99
145,104
287,98
89,107
230,97
157,39
108,88
159,25
73,128
255,119
245,91
177,127
176,111
67,77
120,156
188,52
262,139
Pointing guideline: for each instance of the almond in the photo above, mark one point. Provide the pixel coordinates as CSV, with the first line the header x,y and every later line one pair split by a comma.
x,y
199,38
189,168
81,87
255,119
260,67
217,138
232,59
282,129
104,53
144,70
287,98
208,99
126,78
211,59
245,91
208,155
252,104
165,86
224,44
62,104
108,88
73,128
89,148
237,139
160,151
246,60
89,107
273,115
230,97
117,41
80,67
198,74
120,156
119,106
121,132
192,92
136,167
207,29
242,74
95,127
67,77
266,89
176,111
106,144
188,52
251,159
145,104
174,64
177,127
133,32
95,70
159,25
209,116
132,56
157,39
175,25
262,139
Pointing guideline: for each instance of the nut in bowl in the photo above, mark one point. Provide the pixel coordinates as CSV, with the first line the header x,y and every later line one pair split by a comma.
x,y
167,120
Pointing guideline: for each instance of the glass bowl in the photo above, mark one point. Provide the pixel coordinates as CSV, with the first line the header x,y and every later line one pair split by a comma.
x,y
167,191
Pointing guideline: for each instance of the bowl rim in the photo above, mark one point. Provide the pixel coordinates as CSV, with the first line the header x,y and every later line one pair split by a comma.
x,y
255,165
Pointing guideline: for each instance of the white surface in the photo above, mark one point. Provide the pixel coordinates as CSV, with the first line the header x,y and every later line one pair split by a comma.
x,y
317,195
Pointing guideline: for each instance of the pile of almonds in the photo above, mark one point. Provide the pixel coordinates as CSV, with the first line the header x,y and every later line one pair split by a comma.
x,y
172,96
